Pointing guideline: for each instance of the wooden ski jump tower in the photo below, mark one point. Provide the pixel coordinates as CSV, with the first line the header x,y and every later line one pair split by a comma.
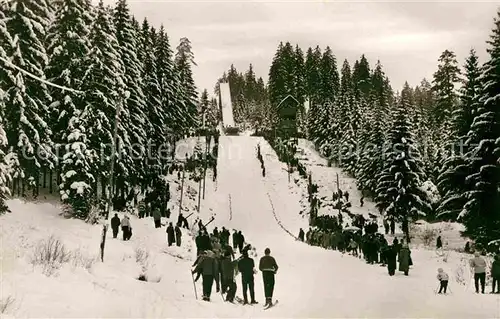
x,y
226,106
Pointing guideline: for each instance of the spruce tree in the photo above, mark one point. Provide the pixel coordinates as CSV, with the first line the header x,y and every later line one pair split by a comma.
x,y
104,87
184,60
5,72
398,192
156,125
169,84
361,78
481,212
26,99
444,82
136,103
77,179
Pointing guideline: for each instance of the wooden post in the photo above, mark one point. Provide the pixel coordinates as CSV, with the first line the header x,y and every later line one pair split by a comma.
x,y
199,195
182,188
207,147
103,240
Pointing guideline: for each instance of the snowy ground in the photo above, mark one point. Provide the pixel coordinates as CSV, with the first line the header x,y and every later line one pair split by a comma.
x,y
326,179
311,282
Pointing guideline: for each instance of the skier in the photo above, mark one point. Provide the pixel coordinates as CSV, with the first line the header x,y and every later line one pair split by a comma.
x,y
268,267
180,219
157,218
393,226
361,201
404,259
170,234
443,280
142,209
235,239
439,242
301,234
209,269
178,235
495,274
246,267
386,226
216,232
478,264
346,195
390,258
125,227
228,284
241,241
115,225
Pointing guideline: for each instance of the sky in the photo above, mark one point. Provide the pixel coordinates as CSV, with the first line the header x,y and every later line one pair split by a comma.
x,y
407,37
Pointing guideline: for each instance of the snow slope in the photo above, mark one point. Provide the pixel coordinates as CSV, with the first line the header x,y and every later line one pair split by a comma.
x,y
311,281
227,105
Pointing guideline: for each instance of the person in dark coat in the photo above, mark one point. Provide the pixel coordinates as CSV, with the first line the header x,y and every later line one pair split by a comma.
x,y
180,219
301,234
404,259
393,226
390,257
206,243
439,242
209,269
495,274
170,234
228,284
268,267
157,218
246,267
386,226
178,235
241,241
235,239
115,225
216,232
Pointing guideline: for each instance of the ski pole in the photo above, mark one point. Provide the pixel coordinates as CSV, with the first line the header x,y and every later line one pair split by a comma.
x,y
194,285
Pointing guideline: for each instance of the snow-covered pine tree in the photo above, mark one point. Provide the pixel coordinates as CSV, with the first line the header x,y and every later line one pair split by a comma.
x,y
5,72
444,82
398,192
328,93
26,99
169,85
157,136
361,78
481,212
104,86
136,103
452,179
184,60
76,177
313,80
371,138
348,143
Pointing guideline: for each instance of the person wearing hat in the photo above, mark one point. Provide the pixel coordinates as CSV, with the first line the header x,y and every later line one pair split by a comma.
x,y
443,280
209,268
246,267
268,267
228,283
478,264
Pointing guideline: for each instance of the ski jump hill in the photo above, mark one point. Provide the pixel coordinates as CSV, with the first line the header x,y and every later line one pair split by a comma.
x,y
226,105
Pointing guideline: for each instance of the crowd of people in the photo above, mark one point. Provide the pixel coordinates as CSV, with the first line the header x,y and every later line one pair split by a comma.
x,y
216,262
364,243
